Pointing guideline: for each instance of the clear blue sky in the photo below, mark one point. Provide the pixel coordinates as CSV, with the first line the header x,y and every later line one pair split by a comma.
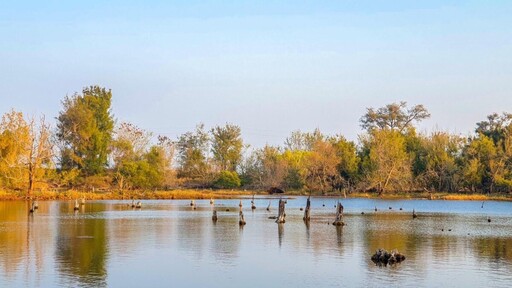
x,y
269,66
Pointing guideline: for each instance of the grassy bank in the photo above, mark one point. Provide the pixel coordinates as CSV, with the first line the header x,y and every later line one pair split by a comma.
x,y
120,195
230,194
413,195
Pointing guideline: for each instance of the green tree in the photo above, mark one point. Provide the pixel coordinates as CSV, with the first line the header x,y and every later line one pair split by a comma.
x,y
85,128
227,146
227,180
128,147
192,149
348,162
440,161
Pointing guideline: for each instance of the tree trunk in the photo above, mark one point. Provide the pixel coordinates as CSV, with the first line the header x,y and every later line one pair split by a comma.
x,y
281,214
339,215
307,216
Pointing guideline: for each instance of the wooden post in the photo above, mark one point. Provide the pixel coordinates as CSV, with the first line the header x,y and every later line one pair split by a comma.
x,y
281,214
339,215
307,216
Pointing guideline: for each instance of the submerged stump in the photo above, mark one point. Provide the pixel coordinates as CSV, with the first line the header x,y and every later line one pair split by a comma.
x,y
281,214
339,216
307,215
241,222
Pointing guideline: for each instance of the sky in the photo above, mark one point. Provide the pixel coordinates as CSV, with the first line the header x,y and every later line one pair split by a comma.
x,y
271,67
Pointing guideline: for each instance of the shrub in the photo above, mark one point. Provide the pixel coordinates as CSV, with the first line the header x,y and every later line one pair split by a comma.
x,y
227,180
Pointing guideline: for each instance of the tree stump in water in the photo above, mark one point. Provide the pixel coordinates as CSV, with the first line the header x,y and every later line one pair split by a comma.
x,y
281,215
383,257
307,216
241,222
339,215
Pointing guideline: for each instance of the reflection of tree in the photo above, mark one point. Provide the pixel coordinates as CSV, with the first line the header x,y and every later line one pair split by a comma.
x,y
81,249
493,248
23,241
191,233
225,239
13,239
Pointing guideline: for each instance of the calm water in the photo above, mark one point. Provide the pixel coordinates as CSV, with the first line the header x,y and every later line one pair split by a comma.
x,y
167,243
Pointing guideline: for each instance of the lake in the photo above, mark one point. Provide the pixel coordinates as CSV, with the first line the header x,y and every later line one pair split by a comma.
x,y
169,244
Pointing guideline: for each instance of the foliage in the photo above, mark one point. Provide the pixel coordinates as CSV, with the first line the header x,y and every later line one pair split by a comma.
x,y
394,116
390,155
26,151
85,127
385,162
227,146
227,180
192,148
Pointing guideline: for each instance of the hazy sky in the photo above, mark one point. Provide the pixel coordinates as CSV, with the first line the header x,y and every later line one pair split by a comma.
x,y
269,66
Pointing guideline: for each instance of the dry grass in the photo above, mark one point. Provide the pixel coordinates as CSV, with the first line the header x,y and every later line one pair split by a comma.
x,y
227,194
118,195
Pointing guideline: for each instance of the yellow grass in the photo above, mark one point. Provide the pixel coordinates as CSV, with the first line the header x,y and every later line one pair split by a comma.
x,y
227,194
115,195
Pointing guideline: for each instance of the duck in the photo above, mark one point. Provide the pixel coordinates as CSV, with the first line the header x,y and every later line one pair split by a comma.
x,y
138,205
489,219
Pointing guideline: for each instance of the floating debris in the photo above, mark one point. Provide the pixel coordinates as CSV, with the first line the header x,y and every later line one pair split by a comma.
x,y
383,257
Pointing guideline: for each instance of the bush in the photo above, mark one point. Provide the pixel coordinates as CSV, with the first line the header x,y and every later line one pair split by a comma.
x,y
227,180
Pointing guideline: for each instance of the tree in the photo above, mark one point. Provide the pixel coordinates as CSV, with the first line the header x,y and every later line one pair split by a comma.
x,y
265,168
385,162
25,150
348,162
192,148
321,164
129,145
393,116
303,141
497,127
85,127
440,155
227,146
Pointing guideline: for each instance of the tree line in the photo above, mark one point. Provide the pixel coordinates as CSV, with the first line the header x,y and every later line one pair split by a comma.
x,y
87,149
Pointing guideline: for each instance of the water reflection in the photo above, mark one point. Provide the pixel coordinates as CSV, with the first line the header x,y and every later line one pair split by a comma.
x,y
106,244
81,244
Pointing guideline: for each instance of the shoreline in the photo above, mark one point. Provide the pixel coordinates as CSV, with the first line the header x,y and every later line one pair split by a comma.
x,y
197,194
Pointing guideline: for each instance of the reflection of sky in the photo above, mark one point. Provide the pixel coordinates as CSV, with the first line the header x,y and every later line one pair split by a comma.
x,y
311,63
169,244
